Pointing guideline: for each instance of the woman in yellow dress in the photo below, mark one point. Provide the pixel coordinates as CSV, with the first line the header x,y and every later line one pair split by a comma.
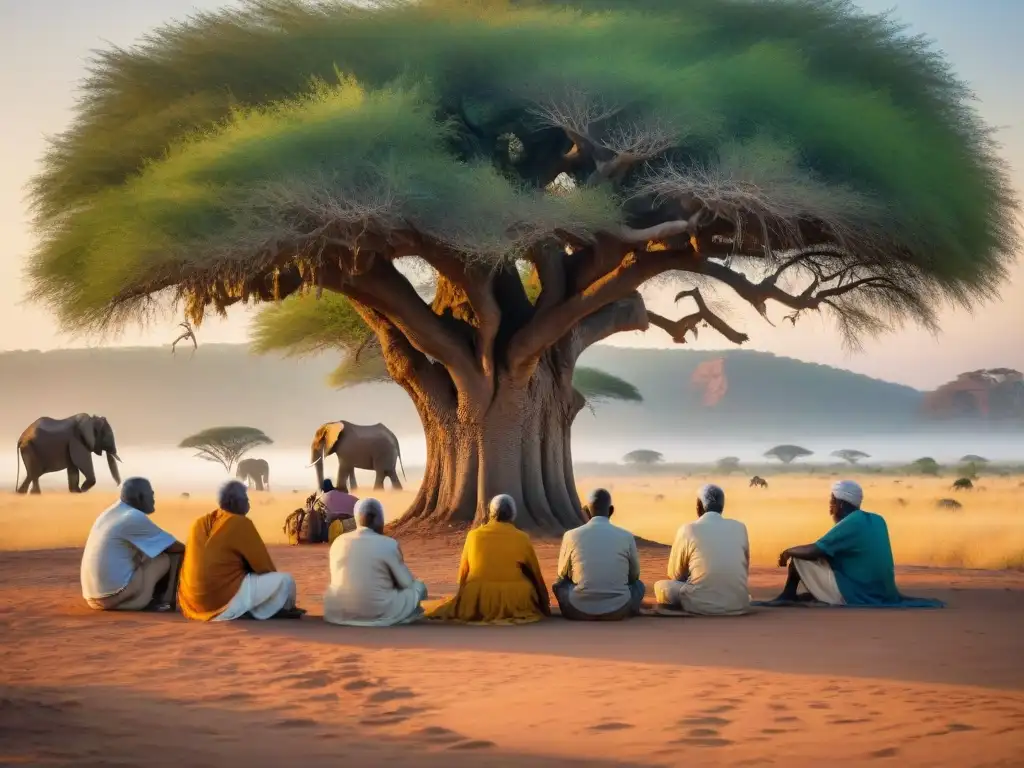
x,y
500,581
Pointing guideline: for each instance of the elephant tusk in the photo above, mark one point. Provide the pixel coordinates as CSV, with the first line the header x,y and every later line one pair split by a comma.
x,y
117,457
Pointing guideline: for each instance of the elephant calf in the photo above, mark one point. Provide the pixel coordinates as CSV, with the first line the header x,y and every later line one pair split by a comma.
x,y
254,472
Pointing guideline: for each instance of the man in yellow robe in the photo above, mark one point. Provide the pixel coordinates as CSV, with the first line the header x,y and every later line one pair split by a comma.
x,y
228,573
500,580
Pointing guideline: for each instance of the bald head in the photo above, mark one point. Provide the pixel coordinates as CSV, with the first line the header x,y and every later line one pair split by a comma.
x,y
502,509
234,498
369,513
600,503
137,492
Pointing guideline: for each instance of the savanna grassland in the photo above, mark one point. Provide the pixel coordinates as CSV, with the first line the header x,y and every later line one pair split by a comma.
x,y
987,532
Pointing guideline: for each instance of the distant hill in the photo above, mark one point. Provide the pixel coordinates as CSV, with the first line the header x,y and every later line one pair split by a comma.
x,y
155,398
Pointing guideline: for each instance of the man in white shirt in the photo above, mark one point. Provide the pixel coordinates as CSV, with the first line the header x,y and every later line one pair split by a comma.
x,y
709,565
370,584
599,568
127,556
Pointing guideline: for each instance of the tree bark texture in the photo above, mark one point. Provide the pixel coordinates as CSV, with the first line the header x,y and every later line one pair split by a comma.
x,y
517,442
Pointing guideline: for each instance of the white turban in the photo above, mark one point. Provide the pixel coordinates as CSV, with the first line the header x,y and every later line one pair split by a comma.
x,y
711,496
849,491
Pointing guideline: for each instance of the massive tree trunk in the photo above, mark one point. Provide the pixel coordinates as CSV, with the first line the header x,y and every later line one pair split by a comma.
x,y
516,442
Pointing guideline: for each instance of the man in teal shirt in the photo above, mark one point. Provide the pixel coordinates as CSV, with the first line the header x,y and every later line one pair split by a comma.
x,y
852,564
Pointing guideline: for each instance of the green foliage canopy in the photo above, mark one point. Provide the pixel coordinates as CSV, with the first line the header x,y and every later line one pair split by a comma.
x,y
224,156
225,445
643,456
787,453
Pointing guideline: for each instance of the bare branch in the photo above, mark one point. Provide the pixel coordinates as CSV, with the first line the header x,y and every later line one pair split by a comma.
x,y
678,329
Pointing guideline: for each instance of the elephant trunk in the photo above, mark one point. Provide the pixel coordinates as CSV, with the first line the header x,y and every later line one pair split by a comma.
x,y
319,464
112,459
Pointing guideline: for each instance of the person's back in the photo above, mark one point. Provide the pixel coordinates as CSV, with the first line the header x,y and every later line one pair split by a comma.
x,y
715,552
860,553
494,551
363,584
600,565
339,504
222,548
113,547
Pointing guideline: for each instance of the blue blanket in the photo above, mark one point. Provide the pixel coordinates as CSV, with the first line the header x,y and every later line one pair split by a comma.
x,y
905,602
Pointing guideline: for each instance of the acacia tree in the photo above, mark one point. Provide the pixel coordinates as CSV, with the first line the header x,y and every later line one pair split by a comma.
x,y
850,455
225,445
643,456
798,154
787,453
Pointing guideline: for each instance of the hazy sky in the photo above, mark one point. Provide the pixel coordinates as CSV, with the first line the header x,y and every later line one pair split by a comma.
x,y
43,50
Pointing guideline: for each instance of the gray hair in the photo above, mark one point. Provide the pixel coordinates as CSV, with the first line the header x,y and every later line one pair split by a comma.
x,y
134,491
369,513
234,497
712,497
502,509
600,502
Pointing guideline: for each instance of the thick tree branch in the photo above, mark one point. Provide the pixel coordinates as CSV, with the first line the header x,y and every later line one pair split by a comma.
x,y
383,288
678,329
546,328
628,314
477,283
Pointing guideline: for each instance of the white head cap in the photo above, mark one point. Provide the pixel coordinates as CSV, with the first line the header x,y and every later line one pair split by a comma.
x,y
849,491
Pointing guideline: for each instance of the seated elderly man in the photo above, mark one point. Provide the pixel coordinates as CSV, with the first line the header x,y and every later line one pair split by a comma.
x,y
128,559
852,564
709,564
370,584
598,568
228,573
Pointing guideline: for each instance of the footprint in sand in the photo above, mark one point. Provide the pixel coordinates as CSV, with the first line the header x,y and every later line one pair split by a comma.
x,y
819,705
435,734
704,721
225,698
704,741
721,709
391,695
953,728
357,685
473,744
311,680
612,726
887,752
295,722
787,719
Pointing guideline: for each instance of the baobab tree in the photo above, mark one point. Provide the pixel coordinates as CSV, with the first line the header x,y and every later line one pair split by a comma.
x,y
801,156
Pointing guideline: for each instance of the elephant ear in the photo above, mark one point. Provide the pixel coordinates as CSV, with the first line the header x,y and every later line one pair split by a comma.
x,y
330,433
86,430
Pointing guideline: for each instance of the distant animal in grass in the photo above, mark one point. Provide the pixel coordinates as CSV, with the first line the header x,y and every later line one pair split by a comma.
x,y
902,502
963,484
659,497
948,504
185,495
758,482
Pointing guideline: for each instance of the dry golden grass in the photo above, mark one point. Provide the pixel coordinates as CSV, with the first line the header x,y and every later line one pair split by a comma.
x,y
987,533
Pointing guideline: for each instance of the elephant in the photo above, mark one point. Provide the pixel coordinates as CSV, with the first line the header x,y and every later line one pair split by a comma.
x,y
50,445
255,472
357,446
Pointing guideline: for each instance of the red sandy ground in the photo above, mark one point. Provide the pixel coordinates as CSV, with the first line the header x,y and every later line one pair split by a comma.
x,y
799,686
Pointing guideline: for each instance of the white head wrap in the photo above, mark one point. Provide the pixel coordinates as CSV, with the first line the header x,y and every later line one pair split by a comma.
x,y
711,496
849,491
